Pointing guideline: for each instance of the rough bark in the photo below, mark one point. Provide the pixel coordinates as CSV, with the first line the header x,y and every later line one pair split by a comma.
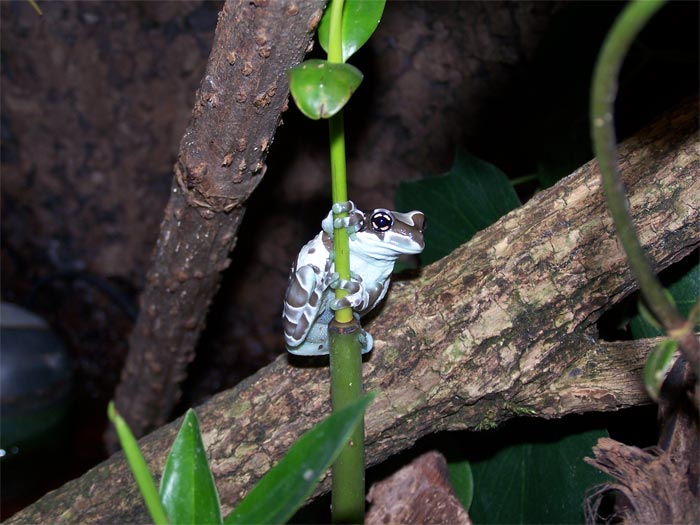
x,y
418,493
504,325
221,161
655,487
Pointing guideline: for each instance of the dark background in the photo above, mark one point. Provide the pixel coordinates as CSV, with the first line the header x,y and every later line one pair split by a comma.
x,y
96,96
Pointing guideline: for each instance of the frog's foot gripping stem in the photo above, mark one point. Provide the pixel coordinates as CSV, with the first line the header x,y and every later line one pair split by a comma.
x,y
353,222
343,207
357,297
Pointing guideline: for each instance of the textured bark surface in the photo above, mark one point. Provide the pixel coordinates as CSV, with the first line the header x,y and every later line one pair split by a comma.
x,y
504,325
418,493
656,487
221,161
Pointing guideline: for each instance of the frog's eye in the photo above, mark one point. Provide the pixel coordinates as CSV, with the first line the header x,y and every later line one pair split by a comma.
x,y
381,221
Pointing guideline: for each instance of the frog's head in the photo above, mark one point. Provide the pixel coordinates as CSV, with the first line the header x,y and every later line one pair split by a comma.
x,y
388,234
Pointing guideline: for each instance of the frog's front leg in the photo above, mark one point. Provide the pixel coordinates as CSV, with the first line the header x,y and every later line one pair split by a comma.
x,y
357,297
353,222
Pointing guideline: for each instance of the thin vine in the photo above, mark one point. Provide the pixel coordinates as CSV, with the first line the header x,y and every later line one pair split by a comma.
x,y
603,94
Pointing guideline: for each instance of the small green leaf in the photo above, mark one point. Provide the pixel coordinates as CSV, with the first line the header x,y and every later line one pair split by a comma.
x,y
471,196
138,466
648,316
321,89
187,487
360,20
462,481
685,291
287,485
657,366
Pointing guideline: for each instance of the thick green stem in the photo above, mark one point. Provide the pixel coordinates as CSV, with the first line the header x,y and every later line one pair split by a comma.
x,y
341,246
338,172
603,94
348,473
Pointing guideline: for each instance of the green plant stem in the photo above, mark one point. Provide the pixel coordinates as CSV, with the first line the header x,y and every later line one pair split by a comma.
x,y
36,7
336,128
603,94
341,247
138,466
348,472
522,180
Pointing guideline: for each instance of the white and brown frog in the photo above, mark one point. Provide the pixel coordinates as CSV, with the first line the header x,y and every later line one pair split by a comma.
x,y
377,238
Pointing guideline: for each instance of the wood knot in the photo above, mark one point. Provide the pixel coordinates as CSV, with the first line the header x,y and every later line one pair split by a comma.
x,y
264,99
314,20
196,175
445,298
228,159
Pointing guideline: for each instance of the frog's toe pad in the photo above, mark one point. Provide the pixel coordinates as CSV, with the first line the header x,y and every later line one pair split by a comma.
x,y
366,341
342,207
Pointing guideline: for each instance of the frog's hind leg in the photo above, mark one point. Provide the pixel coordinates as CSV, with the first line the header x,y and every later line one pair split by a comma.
x,y
308,348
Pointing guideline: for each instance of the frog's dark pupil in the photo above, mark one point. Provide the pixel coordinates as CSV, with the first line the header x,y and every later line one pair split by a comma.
x,y
381,222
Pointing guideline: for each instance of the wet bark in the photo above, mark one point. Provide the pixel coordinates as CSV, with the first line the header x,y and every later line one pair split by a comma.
x,y
221,161
503,326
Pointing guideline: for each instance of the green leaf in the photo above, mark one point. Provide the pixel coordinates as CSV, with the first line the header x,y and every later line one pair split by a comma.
x,y
360,20
658,365
462,481
187,487
138,466
471,196
685,291
287,485
536,482
321,88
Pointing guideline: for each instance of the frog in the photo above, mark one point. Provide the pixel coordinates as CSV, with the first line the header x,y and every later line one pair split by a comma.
x,y
377,238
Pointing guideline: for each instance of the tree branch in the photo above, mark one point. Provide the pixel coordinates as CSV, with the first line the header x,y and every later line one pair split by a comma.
x,y
221,161
504,325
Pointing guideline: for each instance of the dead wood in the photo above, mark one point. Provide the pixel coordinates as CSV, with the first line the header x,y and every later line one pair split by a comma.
x,y
221,161
655,487
504,325
420,492
660,484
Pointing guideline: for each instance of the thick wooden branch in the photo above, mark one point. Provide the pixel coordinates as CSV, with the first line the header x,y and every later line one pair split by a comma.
x,y
505,325
221,161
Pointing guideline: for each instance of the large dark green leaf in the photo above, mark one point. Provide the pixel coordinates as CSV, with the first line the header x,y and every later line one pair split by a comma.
x,y
187,488
535,482
457,204
685,292
287,485
360,19
462,481
321,89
